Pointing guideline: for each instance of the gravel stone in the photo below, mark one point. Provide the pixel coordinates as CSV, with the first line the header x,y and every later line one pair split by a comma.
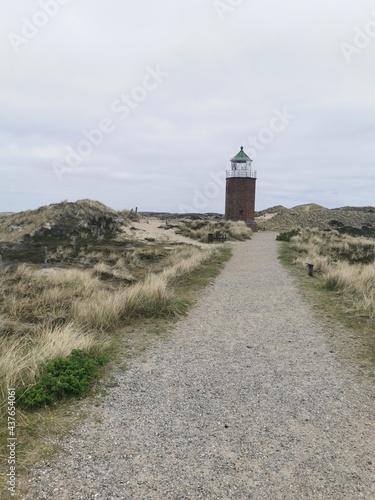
x,y
245,401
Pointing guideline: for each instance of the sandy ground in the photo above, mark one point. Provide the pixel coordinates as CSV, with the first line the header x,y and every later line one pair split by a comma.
x,y
246,400
265,217
156,228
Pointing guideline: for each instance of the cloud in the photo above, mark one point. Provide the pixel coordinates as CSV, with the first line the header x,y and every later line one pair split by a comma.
x,y
225,79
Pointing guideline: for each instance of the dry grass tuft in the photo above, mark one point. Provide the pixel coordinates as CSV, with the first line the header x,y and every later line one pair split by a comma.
x,y
22,356
199,229
118,271
106,310
47,313
184,261
345,263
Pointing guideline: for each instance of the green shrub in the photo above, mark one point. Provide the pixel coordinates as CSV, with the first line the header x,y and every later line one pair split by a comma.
x,y
331,282
288,235
61,377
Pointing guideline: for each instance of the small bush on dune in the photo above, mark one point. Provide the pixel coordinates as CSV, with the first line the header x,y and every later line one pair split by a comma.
x,y
287,236
61,377
22,356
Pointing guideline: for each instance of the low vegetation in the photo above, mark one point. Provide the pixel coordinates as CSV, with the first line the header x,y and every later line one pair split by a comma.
x,y
355,221
65,310
60,219
47,313
344,279
60,378
344,264
199,229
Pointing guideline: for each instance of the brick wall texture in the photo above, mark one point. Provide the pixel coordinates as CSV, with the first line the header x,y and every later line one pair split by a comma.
x,y
240,199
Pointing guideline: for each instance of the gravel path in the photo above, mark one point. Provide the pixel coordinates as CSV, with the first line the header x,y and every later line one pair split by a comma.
x,y
244,401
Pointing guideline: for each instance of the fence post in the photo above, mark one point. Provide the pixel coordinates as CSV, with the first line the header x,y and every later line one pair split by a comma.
x,y
310,269
45,255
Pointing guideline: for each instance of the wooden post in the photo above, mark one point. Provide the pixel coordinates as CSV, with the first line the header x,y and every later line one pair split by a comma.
x,y
74,243
310,269
45,255
1,263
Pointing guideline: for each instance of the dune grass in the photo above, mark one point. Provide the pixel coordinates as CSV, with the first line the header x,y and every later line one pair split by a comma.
x,y
199,229
89,298
351,220
344,264
48,313
16,225
342,289
22,357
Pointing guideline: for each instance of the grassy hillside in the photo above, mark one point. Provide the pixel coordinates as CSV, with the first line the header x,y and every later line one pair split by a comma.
x,y
103,290
59,219
316,216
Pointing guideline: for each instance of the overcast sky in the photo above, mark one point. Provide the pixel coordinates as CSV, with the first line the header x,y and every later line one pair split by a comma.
x,y
143,103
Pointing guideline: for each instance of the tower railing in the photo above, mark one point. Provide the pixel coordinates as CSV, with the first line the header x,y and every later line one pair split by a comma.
x,y
241,173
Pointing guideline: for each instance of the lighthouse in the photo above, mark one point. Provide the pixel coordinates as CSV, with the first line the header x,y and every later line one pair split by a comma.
x,y
240,190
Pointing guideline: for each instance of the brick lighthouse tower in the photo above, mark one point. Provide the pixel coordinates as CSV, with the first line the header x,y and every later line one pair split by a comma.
x,y
240,190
